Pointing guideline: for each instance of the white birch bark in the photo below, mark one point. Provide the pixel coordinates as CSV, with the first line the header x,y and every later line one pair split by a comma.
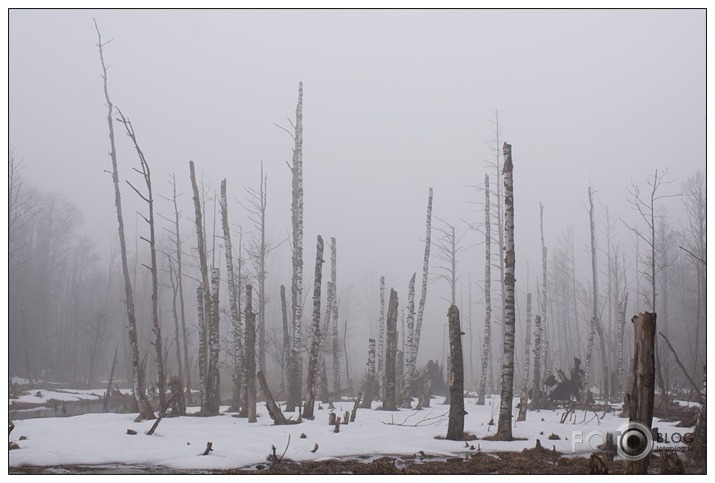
x,y
487,344
507,389
381,336
410,362
425,272
309,407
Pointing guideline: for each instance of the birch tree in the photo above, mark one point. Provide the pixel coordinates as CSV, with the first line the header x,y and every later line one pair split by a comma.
x,y
410,362
389,400
486,347
381,339
507,388
309,408
455,426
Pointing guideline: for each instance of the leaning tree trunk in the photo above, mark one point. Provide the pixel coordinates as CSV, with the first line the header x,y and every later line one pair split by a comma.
x,y
205,299
423,294
309,408
455,427
370,382
143,404
233,303
250,355
642,394
410,360
507,387
389,400
487,294
295,390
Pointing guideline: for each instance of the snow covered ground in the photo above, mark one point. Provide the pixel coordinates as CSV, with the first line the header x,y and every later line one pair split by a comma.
x,y
94,439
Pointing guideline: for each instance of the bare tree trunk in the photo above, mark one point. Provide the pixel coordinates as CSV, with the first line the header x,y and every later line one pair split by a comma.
x,y
175,315
423,294
309,408
233,302
149,199
180,287
622,308
145,410
486,348
536,391
251,355
410,356
204,302
345,350
295,391
507,388
214,390
389,400
455,427
286,366
334,323
381,340
642,395
370,384
322,375
543,301
273,410
524,399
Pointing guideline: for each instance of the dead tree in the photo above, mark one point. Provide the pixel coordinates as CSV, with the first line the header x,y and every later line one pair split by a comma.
x,y
642,394
214,391
370,380
334,323
203,301
309,408
322,373
250,355
524,399
455,427
233,297
622,307
143,404
412,351
273,410
486,348
507,387
381,339
389,400
294,393
286,366
537,389
149,199
410,362
543,298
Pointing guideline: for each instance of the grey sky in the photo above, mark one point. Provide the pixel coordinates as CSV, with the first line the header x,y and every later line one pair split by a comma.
x,y
395,102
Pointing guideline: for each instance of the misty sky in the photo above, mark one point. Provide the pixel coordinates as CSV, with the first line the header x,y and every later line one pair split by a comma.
x,y
395,102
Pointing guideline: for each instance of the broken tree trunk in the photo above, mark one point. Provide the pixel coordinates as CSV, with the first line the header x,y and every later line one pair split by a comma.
x,y
455,427
507,388
642,394
309,408
273,410
389,401
381,340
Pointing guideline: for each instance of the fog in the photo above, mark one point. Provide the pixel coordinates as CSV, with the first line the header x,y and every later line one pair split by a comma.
x,y
395,102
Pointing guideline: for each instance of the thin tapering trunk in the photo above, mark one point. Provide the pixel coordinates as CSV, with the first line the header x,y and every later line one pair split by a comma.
x,y
294,398
486,347
201,318
389,400
145,410
205,302
410,356
322,375
622,308
251,355
423,294
507,389
262,253
524,399
175,315
334,323
642,393
455,426
309,408
232,302
536,392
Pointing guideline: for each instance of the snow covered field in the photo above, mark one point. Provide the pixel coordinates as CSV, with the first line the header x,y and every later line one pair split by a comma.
x,y
94,439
